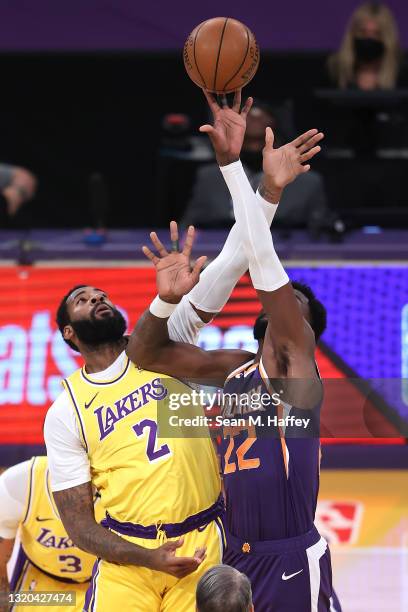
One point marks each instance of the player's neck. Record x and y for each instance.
(258, 355)
(98, 358)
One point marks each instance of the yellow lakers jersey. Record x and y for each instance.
(43, 537)
(141, 477)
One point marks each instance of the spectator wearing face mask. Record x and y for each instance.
(369, 57)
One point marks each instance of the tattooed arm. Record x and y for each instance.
(6, 548)
(75, 506)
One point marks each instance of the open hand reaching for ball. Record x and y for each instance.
(175, 276)
(282, 165)
(228, 131)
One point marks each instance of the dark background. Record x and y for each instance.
(86, 84)
(65, 116)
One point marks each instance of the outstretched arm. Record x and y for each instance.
(219, 278)
(150, 346)
(281, 166)
(289, 339)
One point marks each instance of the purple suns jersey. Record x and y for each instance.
(271, 471)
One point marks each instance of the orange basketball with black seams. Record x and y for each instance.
(221, 55)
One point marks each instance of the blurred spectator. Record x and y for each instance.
(365, 120)
(210, 206)
(17, 186)
(369, 57)
(224, 589)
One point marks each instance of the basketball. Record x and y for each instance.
(221, 55)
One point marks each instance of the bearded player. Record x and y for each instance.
(271, 480)
(94, 435)
(102, 432)
(46, 560)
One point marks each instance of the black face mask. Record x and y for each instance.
(252, 159)
(104, 330)
(368, 49)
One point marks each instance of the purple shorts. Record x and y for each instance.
(292, 575)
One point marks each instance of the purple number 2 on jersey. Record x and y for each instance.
(151, 452)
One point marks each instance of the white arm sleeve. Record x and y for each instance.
(266, 270)
(184, 324)
(221, 275)
(67, 458)
(13, 491)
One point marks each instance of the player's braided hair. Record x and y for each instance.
(318, 314)
(62, 318)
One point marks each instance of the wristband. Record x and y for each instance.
(160, 308)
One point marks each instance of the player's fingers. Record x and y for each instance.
(174, 236)
(189, 241)
(309, 154)
(212, 102)
(305, 168)
(247, 107)
(311, 142)
(179, 542)
(199, 264)
(304, 137)
(182, 572)
(150, 255)
(269, 138)
(171, 546)
(185, 563)
(158, 244)
(206, 129)
(236, 105)
(200, 553)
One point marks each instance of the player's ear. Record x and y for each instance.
(68, 332)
